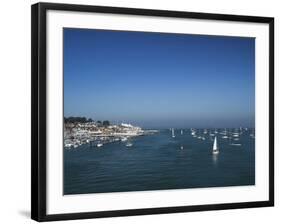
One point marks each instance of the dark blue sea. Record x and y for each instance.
(158, 161)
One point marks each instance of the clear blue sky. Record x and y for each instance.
(159, 80)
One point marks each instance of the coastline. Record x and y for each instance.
(77, 134)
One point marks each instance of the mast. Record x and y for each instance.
(173, 133)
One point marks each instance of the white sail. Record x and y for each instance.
(215, 146)
(173, 133)
(181, 132)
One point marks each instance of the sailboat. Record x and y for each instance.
(123, 139)
(215, 146)
(234, 144)
(252, 135)
(99, 145)
(173, 133)
(181, 132)
(129, 144)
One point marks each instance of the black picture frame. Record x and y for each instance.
(39, 122)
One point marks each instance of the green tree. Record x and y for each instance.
(106, 123)
(99, 123)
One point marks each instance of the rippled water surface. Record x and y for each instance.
(158, 161)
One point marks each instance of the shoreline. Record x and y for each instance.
(77, 134)
(84, 134)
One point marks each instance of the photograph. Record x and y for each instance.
(147, 111)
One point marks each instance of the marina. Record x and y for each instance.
(77, 134)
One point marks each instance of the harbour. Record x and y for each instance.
(162, 159)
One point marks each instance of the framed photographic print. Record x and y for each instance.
(138, 111)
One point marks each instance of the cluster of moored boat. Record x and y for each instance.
(99, 142)
(123, 139)
(76, 135)
(233, 135)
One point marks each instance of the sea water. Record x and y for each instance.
(158, 161)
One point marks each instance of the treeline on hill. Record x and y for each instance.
(84, 120)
